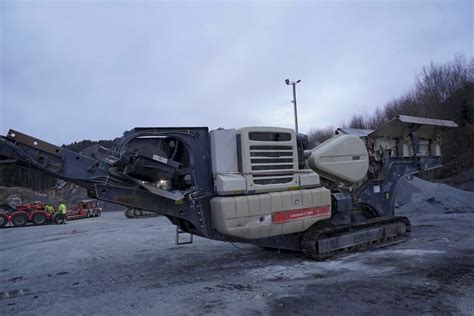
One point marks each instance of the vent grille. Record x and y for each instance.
(272, 164)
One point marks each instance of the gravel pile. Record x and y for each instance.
(418, 196)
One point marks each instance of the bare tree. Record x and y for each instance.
(438, 82)
(443, 91)
(320, 135)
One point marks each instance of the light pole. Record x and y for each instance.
(293, 83)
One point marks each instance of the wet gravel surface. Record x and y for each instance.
(114, 265)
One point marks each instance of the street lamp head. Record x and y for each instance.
(287, 81)
(298, 81)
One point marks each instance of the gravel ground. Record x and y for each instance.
(114, 265)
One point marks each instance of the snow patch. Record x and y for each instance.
(307, 269)
(412, 252)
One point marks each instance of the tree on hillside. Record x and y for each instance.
(319, 135)
(83, 144)
(441, 91)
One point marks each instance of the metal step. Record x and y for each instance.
(180, 232)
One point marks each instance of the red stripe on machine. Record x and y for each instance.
(286, 216)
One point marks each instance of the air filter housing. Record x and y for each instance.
(342, 158)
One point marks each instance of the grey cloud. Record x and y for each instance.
(74, 70)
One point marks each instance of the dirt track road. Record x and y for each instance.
(113, 265)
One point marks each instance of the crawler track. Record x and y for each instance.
(137, 213)
(324, 243)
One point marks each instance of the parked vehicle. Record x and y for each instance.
(23, 214)
(36, 214)
(86, 208)
(257, 185)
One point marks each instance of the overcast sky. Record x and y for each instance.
(73, 70)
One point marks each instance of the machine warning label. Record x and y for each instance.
(286, 216)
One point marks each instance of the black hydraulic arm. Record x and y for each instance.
(110, 179)
(56, 161)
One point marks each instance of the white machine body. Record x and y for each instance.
(262, 192)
